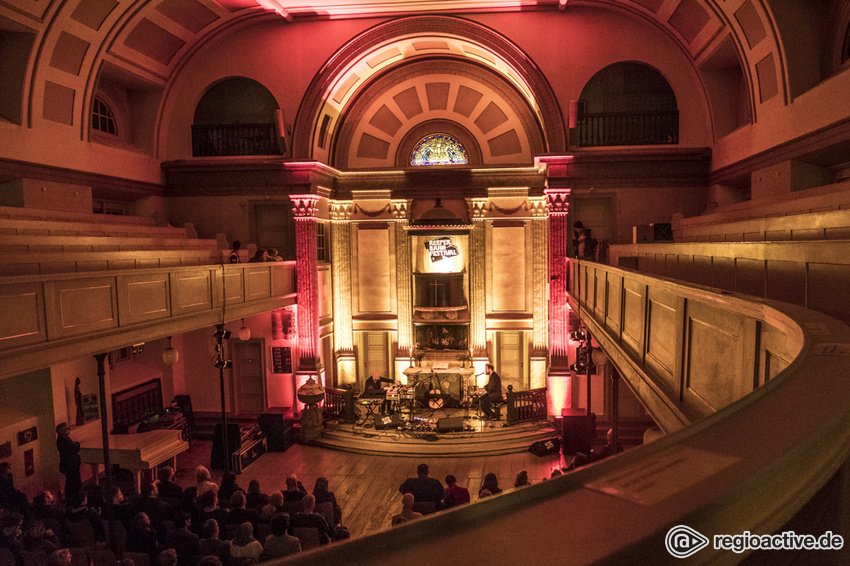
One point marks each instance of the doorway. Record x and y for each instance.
(511, 360)
(249, 391)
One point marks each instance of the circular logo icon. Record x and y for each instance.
(682, 541)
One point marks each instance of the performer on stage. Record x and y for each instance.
(373, 388)
(492, 393)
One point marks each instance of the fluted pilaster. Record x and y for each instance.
(557, 201)
(404, 276)
(304, 209)
(477, 265)
(341, 254)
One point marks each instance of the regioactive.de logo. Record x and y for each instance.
(682, 541)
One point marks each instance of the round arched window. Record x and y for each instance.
(438, 149)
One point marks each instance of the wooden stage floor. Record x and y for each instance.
(366, 485)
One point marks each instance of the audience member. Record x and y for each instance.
(272, 255)
(211, 561)
(522, 479)
(209, 509)
(142, 537)
(60, 557)
(324, 495)
(423, 488)
(211, 545)
(189, 503)
(11, 499)
(182, 540)
(279, 543)
(274, 506)
(168, 488)
(255, 498)
(238, 513)
(606, 450)
(407, 512)
(294, 490)
(10, 533)
(79, 510)
(454, 494)
(203, 481)
(227, 488)
(69, 460)
(490, 485)
(157, 511)
(167, 557)
(310, 519)
(244, 545)
(38, 539)
(258, 257)
(45, 509)
(234, 253)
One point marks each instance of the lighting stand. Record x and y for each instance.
(221, 363)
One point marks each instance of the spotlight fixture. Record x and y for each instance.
(137, 348)
(223, 364)
(221, 333)
(579, 335)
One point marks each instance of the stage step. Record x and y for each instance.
(491, 439)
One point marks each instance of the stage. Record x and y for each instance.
(444, 432)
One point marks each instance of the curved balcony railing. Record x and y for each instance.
(755, 394)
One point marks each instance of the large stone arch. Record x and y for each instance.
(344, 87)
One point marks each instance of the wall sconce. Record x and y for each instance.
(244, 332)
(137, 348)
(170, 355)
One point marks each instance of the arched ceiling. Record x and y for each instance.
(145, 42)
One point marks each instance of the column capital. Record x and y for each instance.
(400, 209)
(538, 206)
(477, 208)
(558, 200)
(304, 206)
(341, 210)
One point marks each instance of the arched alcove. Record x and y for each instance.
(628, 103)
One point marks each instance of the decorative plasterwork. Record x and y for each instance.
(400, 209)
(557, 201)
(304, 206)
(341, 210)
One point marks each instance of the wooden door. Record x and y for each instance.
(249, 388)
(511, 362)
(375, 355)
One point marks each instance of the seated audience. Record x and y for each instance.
(258, 257)
(158, 511)
(407, 512)
(274, 506)
(454, 494)
(490, 485)
(60, 557)
(167, 557)
(272, 255)
(522, 479)
(227, 488)
(255, 498)
(423, 487)
(142, 537)
(182, 540)
(244, 545)
(45, 509)
(209, 509)
(38, 539)
(203, 481)
(10, 532)
(211, 545)
(211, 561)
(310, 519)
(279, 543)
(294, 490)
(11, 499)
(324, 495)
(79, 510)
(239, 513)
(168, 489)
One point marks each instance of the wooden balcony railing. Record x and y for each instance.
(234, 139)
(339, 404)
(523, 406)
(626, 128)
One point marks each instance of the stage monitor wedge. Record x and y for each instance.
(383, 422)
(450, 424)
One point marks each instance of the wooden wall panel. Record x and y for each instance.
(508, 267)
(143, 297)
(22, 321)
(373, 271)
(81, 306)
(633, 315)
(614, 298)
(749, 276)
(724, 273)
(258, 283)
(283, 282)
(786, 281)
(828, 290)
(716, 369)
(191, 291)
(663, 322)
(234, 286)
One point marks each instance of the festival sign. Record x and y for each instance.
(440, 248)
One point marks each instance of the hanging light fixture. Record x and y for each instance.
(170, 355)
(244, 332)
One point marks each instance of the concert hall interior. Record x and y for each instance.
(635, 210)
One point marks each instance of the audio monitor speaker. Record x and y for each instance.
(449, 424)
(545, 447)
(280, 432)
(576, 431)
(383, 422)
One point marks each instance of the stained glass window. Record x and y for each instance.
(438, 149)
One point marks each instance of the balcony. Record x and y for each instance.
(627, 128)
(234, 139)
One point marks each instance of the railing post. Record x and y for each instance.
(511, 396)
(348, 400)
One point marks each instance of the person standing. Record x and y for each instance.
(234, 253)
(492, 393)
(69, 460)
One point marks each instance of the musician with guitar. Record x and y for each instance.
(492, 393)
(373, 389)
